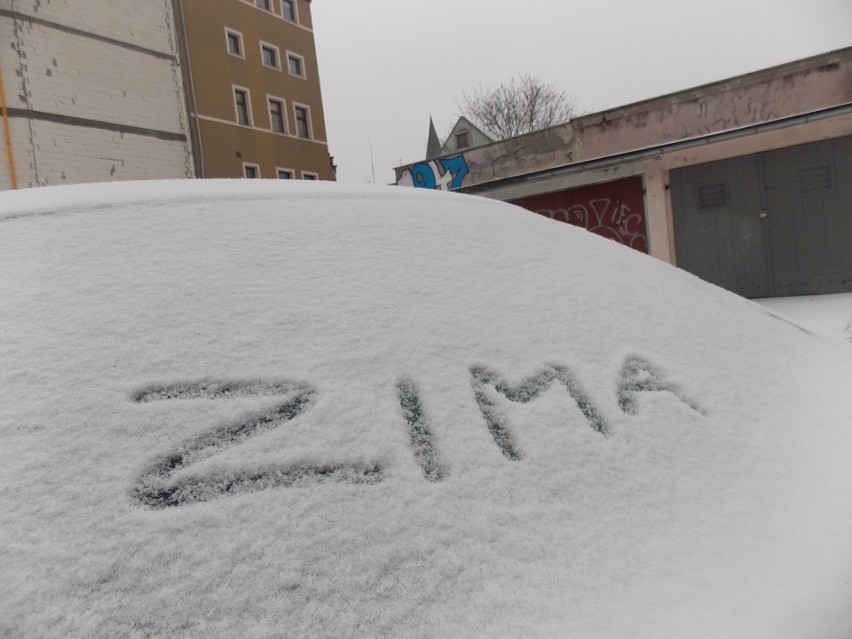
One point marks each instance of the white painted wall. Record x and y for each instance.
(66, 73)
(59, 154)
(146, 23)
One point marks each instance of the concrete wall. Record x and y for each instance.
(507, 158)
(94, 91)
(792, 89)
(799, 87)
(60, 154)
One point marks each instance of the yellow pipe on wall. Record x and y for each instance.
(9, 154)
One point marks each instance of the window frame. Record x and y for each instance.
(308, 123)
(295, 5)
(280, 169)
(301, 61)
(310, 175)
(271, 8)
(270, 99)
(250, 120)
(255, 167)
(275, 50)
(468, 138)
(239, 36)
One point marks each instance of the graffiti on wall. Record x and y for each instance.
(445, 174)
(614, 210)
(610, 218)
(723, 111)
(532, 152)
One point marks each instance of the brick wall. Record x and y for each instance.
(85, 107)
(61, 154)
(145, 23)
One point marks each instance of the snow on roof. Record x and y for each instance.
(250, 408)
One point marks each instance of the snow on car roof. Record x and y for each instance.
(245, 408)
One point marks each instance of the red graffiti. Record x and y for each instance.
(614, 210)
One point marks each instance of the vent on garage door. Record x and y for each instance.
(814, 179)
(712, 196)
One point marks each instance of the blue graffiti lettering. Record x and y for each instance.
(457, 167)
(423, 176)
(447, 176)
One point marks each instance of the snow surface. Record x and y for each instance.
(825, 314)
(285, 409)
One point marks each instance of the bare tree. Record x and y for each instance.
(520, 106)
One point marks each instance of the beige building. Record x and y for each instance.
(253, 90)
(92, 92)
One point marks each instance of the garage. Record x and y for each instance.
(768, 224)
(613, 209)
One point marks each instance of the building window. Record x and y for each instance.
(462, 140)
(269, 56)
(296, 65)
(309, 176)
(276, 116)
(251, 170)
(285, 174)
(266, 5)
(303, 122)
(288, 9)
(234, 42)
(241, 104)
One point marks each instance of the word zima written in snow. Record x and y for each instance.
(157, 487)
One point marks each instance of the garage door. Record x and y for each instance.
(615, 209)
(775, 223)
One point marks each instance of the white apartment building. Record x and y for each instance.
(93, 92)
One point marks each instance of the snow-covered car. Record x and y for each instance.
(269, 409)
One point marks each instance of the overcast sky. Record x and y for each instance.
(387, 65)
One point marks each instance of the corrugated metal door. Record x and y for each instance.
(809, 204)
(775, 223)
(720, 233)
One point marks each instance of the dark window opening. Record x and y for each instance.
(288, 9)
(235, 44)
(241, 99)
(462, 139)
(270, 56)
(276, 115)
(302, 128)
(295, 64)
